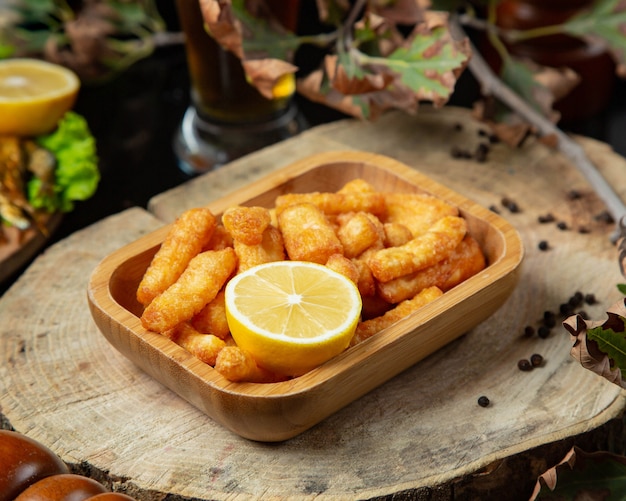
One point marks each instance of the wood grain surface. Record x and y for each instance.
(421, 435)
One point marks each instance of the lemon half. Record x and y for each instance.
(34, 95)
(292, 316)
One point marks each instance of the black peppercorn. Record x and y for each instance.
(536, 360)
(529, 331)
(483, 401)
(549, 319)
(561, 225)
(524, 365)
(590, 299)
(543, 245)
(543, 331)
(547, 218)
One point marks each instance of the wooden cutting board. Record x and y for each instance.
(422, 435)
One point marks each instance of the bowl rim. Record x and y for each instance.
(101, 299)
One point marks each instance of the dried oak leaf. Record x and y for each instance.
(86, 45)
(405, 12)
(591, 352)
(582, 475)
(249, 31)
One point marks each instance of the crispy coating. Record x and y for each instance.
(464, 261)
(335, 203)
(246, 224)
(368, 328)
(202, 346)
(421, 252)
(185, 239)
(212, 318)
(343, 266)
(366, 282)
(417, 211)
(396, 234)
(357, 185)
(238, 365)
(197, 286)
(219, 240)
(358, 231)
(307, 234)
(271, 248)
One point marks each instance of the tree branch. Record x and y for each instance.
(492, 85)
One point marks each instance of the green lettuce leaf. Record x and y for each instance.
(76, 175)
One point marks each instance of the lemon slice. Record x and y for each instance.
(34, 95)
(292, 316)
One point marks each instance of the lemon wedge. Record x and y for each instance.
(34, 95)
(292, 316)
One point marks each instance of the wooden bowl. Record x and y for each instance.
(279, 411)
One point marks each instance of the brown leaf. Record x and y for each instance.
(223, 25)
(405, 12)
(554, 84)
(310, 87)
(265, 73)
(371, 82)
(576, 460)
(586, 351)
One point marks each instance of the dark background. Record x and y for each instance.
(135, 116)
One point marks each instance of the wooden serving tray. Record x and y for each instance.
(279, 411)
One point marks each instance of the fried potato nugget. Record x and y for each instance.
(368, 328)
(212, 318)
(307, 234)
(271, 248)
(421, 252)
(336, 203)
(344, 266)
(417, 211)
(197, 286)
(466, 260)
(186, 238)
(396, 234)
(219, 240)
(246, 224)
(203, 346)
(358, 232)
(357, 185)
(237, 365)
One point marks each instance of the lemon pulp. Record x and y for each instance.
(34, 95)
(292, 316)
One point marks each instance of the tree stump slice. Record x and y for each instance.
(422, 435)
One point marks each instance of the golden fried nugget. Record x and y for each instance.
(307, 234)
(464, 261)
(335, 203)
(366, 282)
(417, 211)
(202, 346)
(246, 224)
(212, 318)
(423, 251)
(357, 186)
(219, 240)
(358, 231)
(343, 266)
(270, 249)
(197, 286)
(237, 365)
(186, 238)
(368, 328)
(396, 234)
